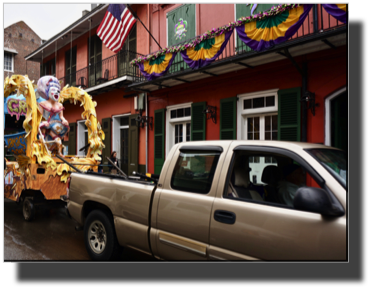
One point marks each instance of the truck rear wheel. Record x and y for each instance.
(28, 209)
(100, 237)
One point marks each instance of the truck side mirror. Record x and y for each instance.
(316, 200)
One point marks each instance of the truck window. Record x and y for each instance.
(194, 171)
(267, 178)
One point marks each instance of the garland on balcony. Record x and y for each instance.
(338, 11)
(261, 35)
(274, 11)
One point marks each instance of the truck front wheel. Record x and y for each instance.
(100, 237)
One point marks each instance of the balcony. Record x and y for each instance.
(104, 73)
(319, 31)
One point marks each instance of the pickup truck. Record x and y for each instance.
(221, 200)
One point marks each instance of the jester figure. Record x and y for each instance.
(54, 126)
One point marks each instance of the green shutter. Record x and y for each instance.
(106, 127)
(159, 140)
(73, 139)
(289, 114)
(133, 145)
(187, 13)
(228, 118)
(198, 121)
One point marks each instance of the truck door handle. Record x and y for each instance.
(226, 217)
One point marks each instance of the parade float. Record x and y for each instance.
(39, 173)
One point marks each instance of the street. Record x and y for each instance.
(50, 236)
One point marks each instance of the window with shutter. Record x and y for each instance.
(159, 140)
(228, 118)
(257, 115)
(95, 62)
(178, 124)
(289, 114)
(71, 63)
(198, 121)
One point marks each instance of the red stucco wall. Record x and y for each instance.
(327, 73)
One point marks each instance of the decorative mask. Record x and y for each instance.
(49, 88)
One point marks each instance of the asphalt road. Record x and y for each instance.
(50, 236)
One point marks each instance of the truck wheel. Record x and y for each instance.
(28, 209)
(100, 237)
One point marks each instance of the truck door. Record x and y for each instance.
(185, 203)
(253, 216)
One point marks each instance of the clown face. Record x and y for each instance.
(54, 93)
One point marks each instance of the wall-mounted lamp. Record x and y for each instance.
(210, 112)
(145, 120)
(309, 99)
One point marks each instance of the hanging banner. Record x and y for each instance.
(338, 11)
(156, 67)
(205, 52)
(263, 34)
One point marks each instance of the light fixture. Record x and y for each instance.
(144, 120)
(309, 99)
(210, 112)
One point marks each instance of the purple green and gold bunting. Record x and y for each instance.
(156, 67)
(205, 52)
(338, 11)
(263, 34)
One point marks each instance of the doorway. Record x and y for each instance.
(337, 120)
(124, 149)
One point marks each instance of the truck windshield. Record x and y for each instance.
(334, 161)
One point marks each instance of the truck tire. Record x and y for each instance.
(28, 209)
(100, 237)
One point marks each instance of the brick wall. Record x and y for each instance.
(20, 37)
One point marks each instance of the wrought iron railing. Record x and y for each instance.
(118, 65)
(103, 71)
(316, 22)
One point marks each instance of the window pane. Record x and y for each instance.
(269, 101)
(250, 124)
(267, 123)
(247, 103)
(257, 136)
(187, 111)
(250, 136)
(194, 171)
(180, 113)
(7, 61)
(274, 123)
(188, 132)
(267, 136)
(258, 103)
(124, 121)
(173, 114)
(257, 124)
(180, 133)
(274, 135)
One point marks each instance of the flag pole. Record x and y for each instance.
(135, 15)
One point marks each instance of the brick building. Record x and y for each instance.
(19, 41)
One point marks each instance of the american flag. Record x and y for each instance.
(115, 27)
